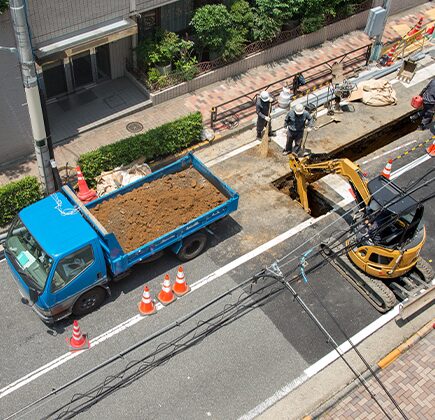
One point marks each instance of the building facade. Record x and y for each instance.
(79, 44)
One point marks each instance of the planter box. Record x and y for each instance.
(352, 23)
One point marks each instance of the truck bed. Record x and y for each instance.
(157, 207)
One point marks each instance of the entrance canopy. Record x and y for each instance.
(84, 41)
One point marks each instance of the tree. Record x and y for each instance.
(242, 17)
(212, 24)
(4, 5)
(271, 14)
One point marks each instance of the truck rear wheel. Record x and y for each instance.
(89, 301)
(192, 246)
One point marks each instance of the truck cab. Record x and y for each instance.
(64, 270)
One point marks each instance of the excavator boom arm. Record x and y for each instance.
(306, 172)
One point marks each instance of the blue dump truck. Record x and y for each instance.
(63, 259)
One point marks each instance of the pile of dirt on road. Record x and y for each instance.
(157, 208)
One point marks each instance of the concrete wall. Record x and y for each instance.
(52, 19)
(398, 6)
(119, 52)
(15, 132)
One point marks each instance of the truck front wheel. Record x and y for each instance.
(192, 246)
(89, 301)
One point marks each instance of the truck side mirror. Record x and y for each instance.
(33, 294)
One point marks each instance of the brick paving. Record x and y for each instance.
(411, 381)
(209, 96)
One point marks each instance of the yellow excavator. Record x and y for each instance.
(383, 251)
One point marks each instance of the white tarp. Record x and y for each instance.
(118, 177)
(375, 93)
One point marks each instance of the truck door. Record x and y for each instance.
(73, 275)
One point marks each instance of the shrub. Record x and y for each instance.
(17, 195)
(271, 14)
(242, 17)
(212, 24)
(312, 24)
(158, 142)
(186, 67)
(4, 4)
(235, 45)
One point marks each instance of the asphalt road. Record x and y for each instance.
(249, 344)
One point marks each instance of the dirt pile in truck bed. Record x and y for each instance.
(157, 208)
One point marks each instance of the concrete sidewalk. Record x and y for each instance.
(410, 379)
(335, 393)
(205, 98)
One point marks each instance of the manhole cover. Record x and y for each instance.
(134, 127)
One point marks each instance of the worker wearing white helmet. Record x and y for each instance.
(295, 121)
(263, 108)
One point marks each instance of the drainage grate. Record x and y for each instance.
(134, 127)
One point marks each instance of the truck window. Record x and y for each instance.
(71, 266)
(27, 256)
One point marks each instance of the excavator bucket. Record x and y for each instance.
(407, 71)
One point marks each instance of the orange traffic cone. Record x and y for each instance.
(390, 55)
(429, 30)
(431, 149)
(416, 28)
(146, 305)
(180, 286)
(166, 296)
(85, 194)
(78, 341)
(386, 173)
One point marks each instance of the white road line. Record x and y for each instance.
(388, 152)
(410, 166)
(19, 383)
(322, 363)
(233, 153)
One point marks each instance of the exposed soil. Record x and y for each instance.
(157, 208)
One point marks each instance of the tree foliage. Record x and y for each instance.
(212, 24)
(271, 14)
(4, 4)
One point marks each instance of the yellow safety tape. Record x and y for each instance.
(413, 149)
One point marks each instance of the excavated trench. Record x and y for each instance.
(359, 148)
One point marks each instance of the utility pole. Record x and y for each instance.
(377, 45)
(31, 88)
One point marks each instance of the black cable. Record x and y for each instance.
(373, 373)
(334, 345)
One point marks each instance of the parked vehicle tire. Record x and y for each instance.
(193, 245)
(89, 301)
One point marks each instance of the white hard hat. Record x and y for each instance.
(265, 96)
(299, 109)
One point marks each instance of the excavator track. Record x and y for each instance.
(375, 291)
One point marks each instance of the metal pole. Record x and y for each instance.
(31, 89)
(377, 45)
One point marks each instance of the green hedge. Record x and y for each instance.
(17, 195)
(162, 141)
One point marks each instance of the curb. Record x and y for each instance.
(381, 364)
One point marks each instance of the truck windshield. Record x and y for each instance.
(28, 258)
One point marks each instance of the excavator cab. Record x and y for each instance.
(395, 234)
(398, 216)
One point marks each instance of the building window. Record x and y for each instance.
(54, 79)
(147, 22)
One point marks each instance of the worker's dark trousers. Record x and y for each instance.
(261, 123)
(296, 137)
(427, 114)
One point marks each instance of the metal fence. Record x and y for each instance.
(315, 77)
